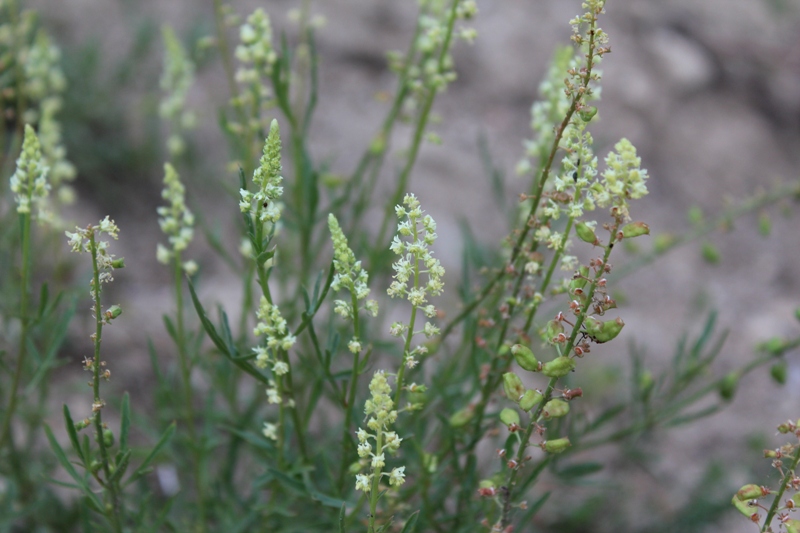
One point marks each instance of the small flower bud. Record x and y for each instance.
(586, 233)
(108, 437)
(555, 408)
(530, 399)
(513, 387)
(558, 367)
(778, 372)
(635, 229)
(727, 387)
(525, 358)
(556, 445)
(509, 416)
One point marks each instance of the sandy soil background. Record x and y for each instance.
(709, 92)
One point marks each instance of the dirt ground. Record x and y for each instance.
(709, 93)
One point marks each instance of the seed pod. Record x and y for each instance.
(555, 408)
(603, 331)
(525, 358)
(530, 399)
(108, 437)
(751, 491)
(556, 445)
(711, 254)
(744, 507)
(462, 417)
(513, 386)
(727, 387)
(509, 416)
(635, 229)
(778, 372)
(586, 233)
(558, 367)
(113, 312)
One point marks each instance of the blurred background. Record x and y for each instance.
(708, 92)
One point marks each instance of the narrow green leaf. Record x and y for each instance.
(121, 467)
(579, 470)
(207, 325)
(44, 295)
(342, 515)
(73, 434)
(62, 459)
(152, 455)
(125, 422)
(170, 327)
(411, 523)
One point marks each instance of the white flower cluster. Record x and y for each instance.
(380, 413)
(262, 204)
(84, 239)
(349, 276)
(176, 80)
(29, 181)
(272, 325)
(255, 50)
(176, 221)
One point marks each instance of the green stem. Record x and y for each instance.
(114, 511)
(25, 273)
(376, 478)
(350, 399)
(186, 371)
(419, 132)
(790, 473)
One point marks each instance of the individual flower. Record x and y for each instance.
(270, 431)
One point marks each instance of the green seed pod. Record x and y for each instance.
(95, 466)
(775, 346)
(778, 372)
(118, 263)
(513, 386)
(554, 327)
(727, 387)
(558, 367)
(744, 507)
(113, 312)
(603, 331)
(792, 526)
(751, 491)
(509, 416)
(525, 358)
(593, 326)
(108, 437)
(711, 254)
(556, 445)
(462, 417)
(586, 233)
(635, 229)
(555, 408)
(587, 113)
(530, 399)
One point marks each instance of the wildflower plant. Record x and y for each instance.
(267, 416)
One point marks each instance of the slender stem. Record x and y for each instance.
(419, 131)
(114, 511)
(350, 399)
(790, 473)
(186, 371)
(24, 319)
